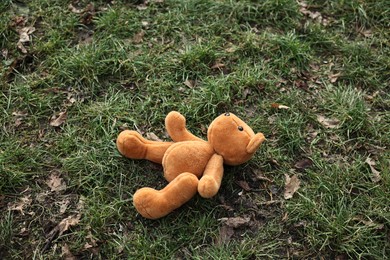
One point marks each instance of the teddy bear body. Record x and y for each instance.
(190, 164)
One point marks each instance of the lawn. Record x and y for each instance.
(313, 76)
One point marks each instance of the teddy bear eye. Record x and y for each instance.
(240, 128)
(227, 114)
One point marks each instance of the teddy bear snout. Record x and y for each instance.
(255, 143)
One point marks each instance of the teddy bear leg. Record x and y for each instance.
(154, 204)
(132, 145)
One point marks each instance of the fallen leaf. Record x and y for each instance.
(376, 177)
(58, 120)
(369, 222)
(291, 186)
(66, 254)
(316, 16)
(279, 106)
(142, 7)
(21, 205)
(218, 65)
(18, 21)
(334, 77)
(366, 33)
(244, 185)
(65, 224)
(56, 183)
(327, 122)
(139, 37)
(190, 83)
(259, 176)
(303, 164)
(225, 234)
(74, 9)
(63, 205)
(236, 222)
(153, 137)
(81, 203)
(24, 37)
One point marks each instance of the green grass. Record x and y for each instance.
(98, 68)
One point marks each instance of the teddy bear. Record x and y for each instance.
(191, 165)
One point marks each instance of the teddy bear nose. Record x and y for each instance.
(227, 114)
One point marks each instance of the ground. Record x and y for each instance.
(313, 76)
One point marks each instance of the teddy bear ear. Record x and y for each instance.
(255, 142)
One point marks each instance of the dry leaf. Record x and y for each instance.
(56, 183)
(366, 33)
(139, 37)
(369, 222)
(333, 77)
(225, 234)
(58, 230)
(66, 223)
(244, 185)
(63, 205)
(376, 177)
(24, 37)
(327, 122)
(303, 164)
(66, 254)
(291, 186)
(218, 65)
(74, 9)
(279, 106)
(58, 120)
(190, 83)
(142, 7)
(236, 222)
(153, 137)
(19, 206)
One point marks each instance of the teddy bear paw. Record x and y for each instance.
(208, 187)
(131, 145)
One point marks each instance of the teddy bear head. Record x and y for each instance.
(233, 139)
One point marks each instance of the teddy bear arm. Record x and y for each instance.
(132, 145)
(211, 180)
(175, 123)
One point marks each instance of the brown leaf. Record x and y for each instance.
(376, 177)
(151, 136)
(244, 185)
(259, 176)
(369, 222)
(225, 234)
(66, 254)
(303, 164)
(56, 183)
(63, 205)
(279, 106)
(190, 83)
(236, 222)
(366, 33)
(139, 37)
(24, 37)
(66, 223)
(74, 9)
(21, 205)
(18, 21)
(334, 77)
(218, 65)
(328, 123)
(291, 186)
(58, 120)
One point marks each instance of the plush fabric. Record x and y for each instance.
(191, 164)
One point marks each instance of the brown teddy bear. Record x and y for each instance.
(190, 164)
